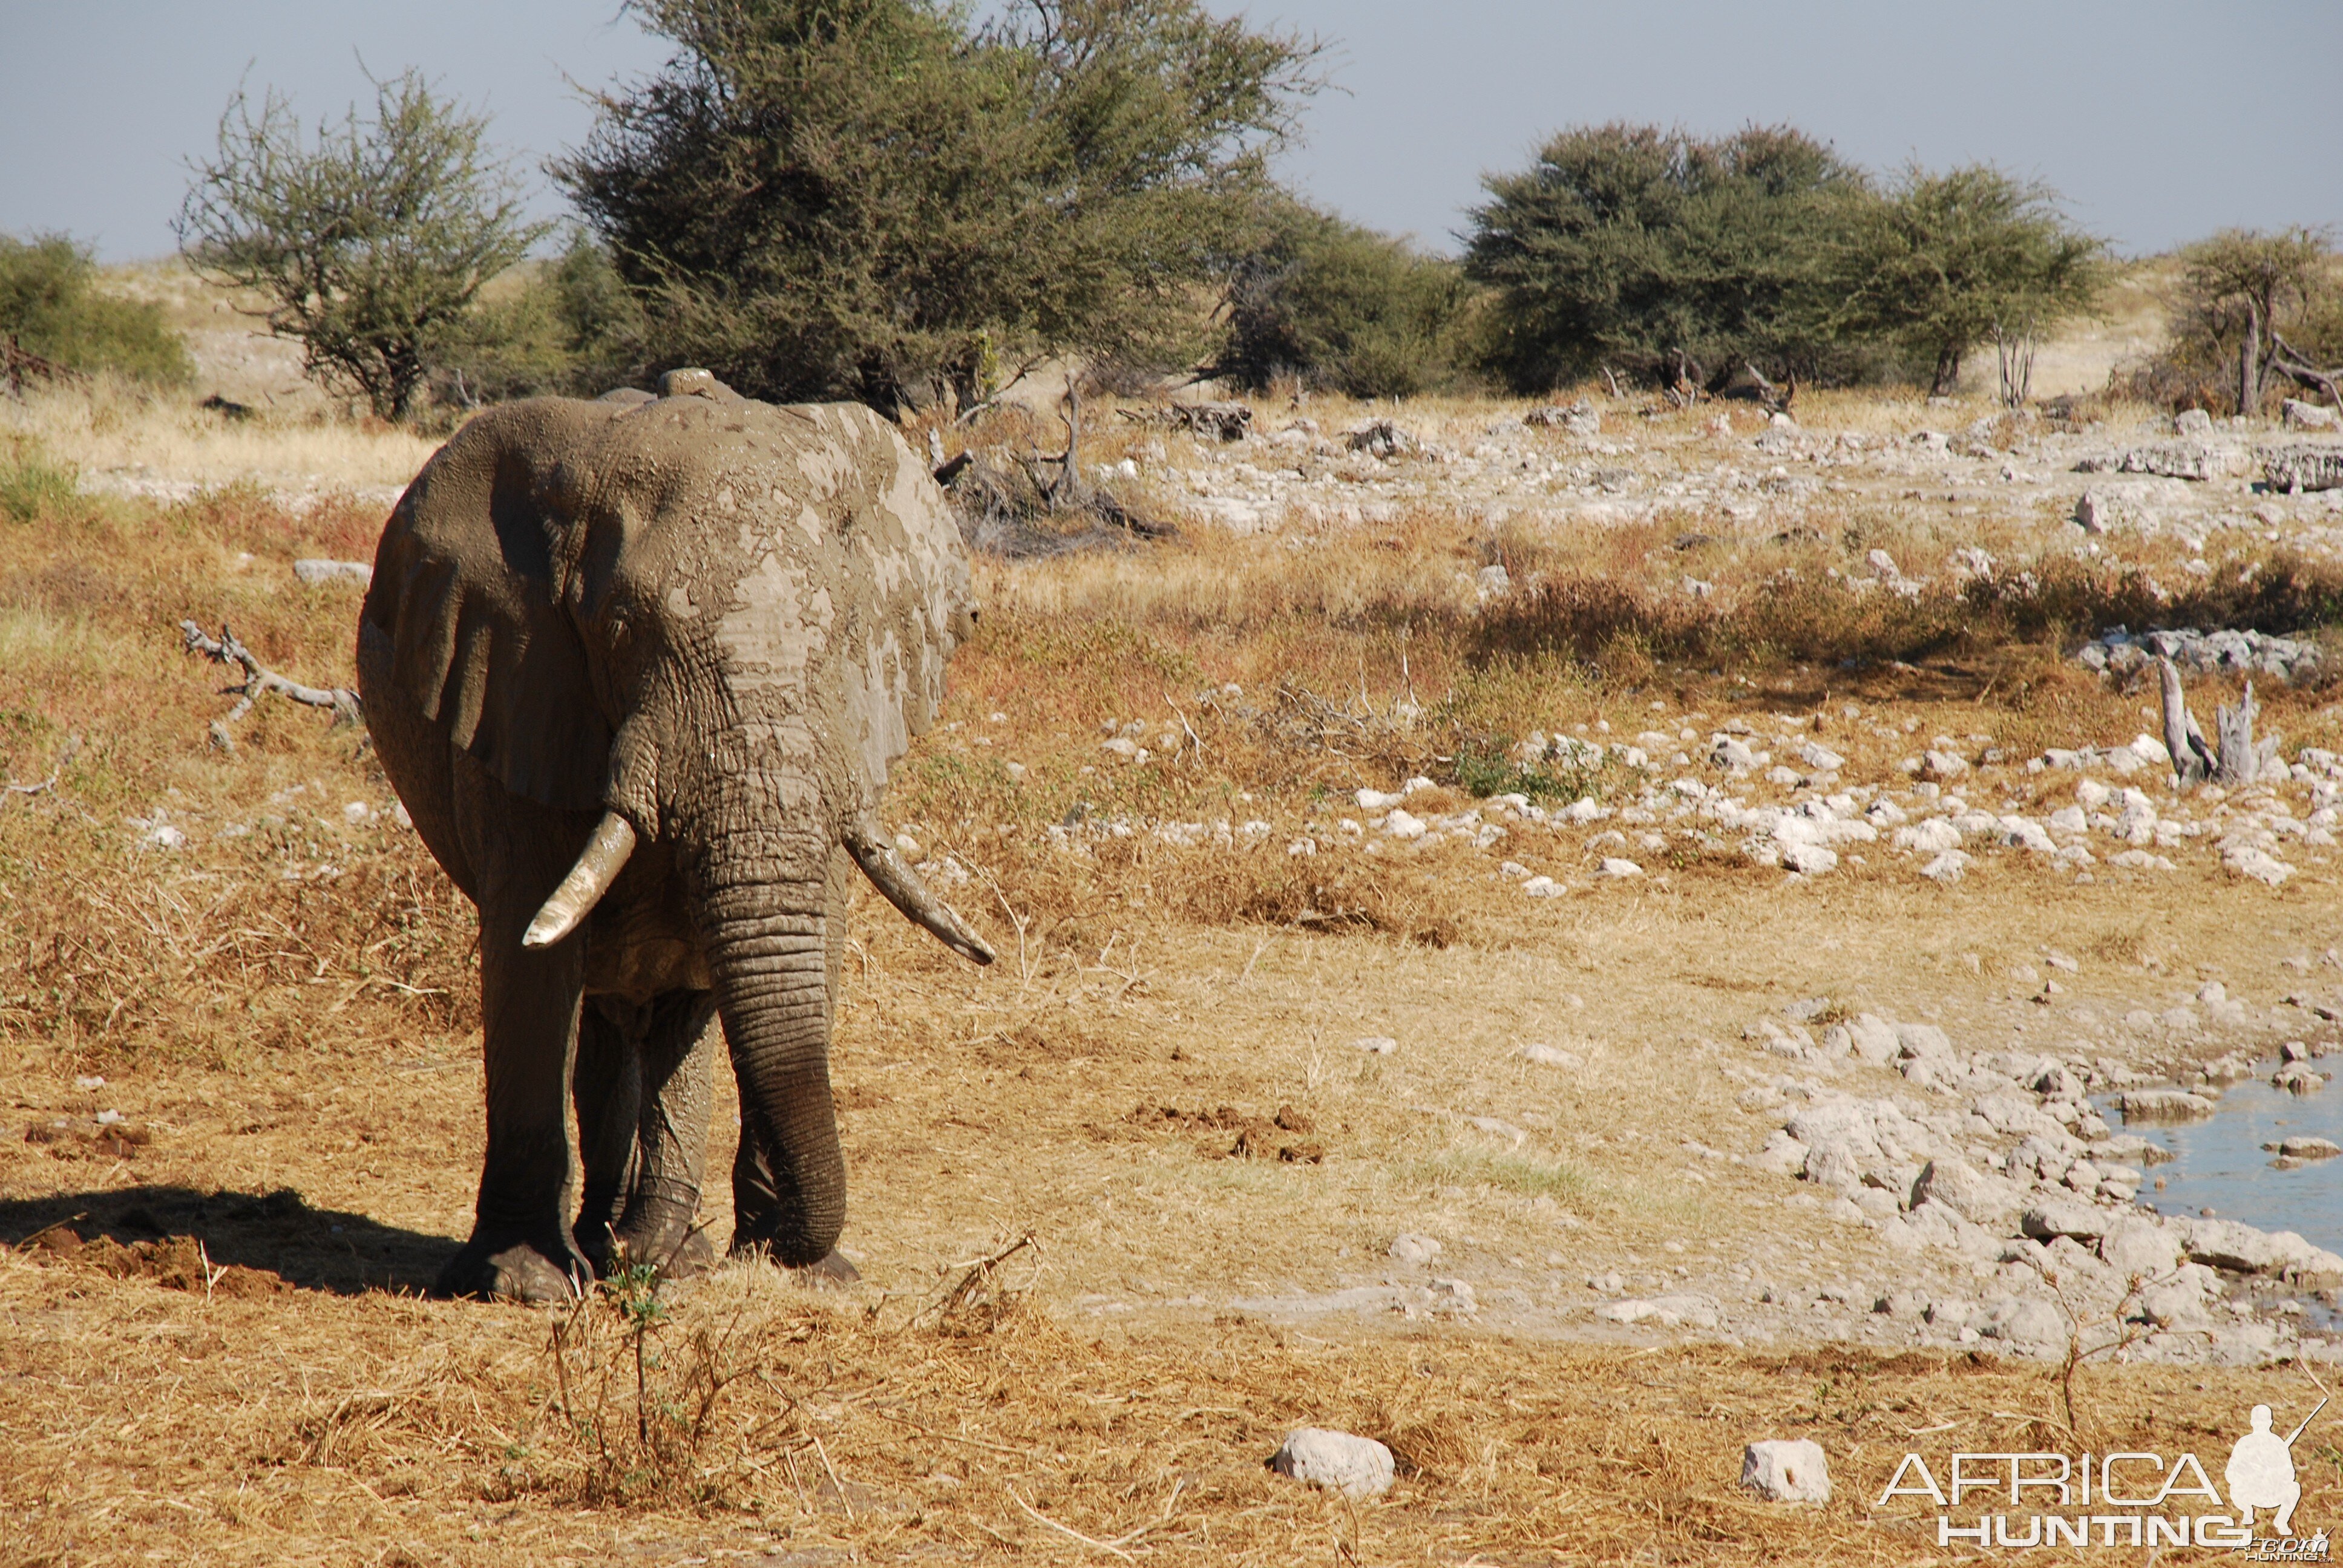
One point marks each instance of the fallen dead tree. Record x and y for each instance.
(259, 679)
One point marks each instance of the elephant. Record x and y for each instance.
(639, 669)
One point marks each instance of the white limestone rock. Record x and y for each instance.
(1342, 1462)
(1786, 1471)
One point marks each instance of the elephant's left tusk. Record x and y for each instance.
(908, 893)
(605, 854)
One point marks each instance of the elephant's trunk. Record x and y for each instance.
(762, 897)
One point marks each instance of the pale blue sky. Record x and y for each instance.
(2160, 121)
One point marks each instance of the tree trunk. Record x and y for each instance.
(1948, 372)
(2250, 377)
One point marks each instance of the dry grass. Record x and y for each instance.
(383, 1428)
(136, 443)
(291, 1007)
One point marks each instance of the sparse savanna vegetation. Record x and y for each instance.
(1250, 774)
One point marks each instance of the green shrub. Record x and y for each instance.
(1947, 262)
(2247, 301)
(1661, 256)
(369, 241)
(31, 486)
(1652, 253)
(49, 304)
(569, 327)
(1342, 308)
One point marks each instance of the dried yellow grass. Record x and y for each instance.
(122, 437)
(316, 1032)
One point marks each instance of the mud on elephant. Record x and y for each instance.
(639, 669)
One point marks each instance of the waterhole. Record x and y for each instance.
(2220, 1165)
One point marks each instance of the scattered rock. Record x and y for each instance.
(1936, 766)
(1667, 1311)
(2138, 1248)
(320, 573)
(2297, 468)
(2241, 1248)
(2163, 1105)
(2186, 460)
(2298, 1078)
(1577, 418)
(1338, 1461)
(1375, 1044)
(1786, 1471)
(2296, 414)
(1414, 1247)
(1551, 1056)
(2196, 651)
(1453, 1298)
(2245, 860)
(1871, 1037)
(1613, 867)
(1974, 1195)
(1808, 859)
(2305, 1149)
(2029, 1325)
(2058, 1216)
(1380, 438)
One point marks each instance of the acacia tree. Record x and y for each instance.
(1339, 305)
(2242, 289)
(1653, 251)
(1949, 261)
(881, 199)
(367, 241)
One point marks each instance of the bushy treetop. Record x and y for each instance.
(1627, 245)
(886, 199)
(365, 242)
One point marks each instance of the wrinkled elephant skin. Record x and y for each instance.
(639, 670)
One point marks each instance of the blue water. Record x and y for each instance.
(2219, 1163)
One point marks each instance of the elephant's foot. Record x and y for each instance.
(658, 1232)
(834, 1272)
(513, 1272)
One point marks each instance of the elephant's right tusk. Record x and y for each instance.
(597, 867)
(904, 889)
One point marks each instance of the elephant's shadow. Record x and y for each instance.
(311, 1248)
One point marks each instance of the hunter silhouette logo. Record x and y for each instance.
(2124, 1498)
(2261, 1471)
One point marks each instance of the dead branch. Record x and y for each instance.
(2298, 365)
(2235, 757)
(66, 753)
(981, 1276)
(260, 679)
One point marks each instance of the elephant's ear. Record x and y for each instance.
(464, 622)
(904, 545)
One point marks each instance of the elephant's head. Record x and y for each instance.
(720, 623)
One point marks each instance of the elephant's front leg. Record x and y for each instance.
(521, 1246)
(607, 1089)
(678, 1055)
